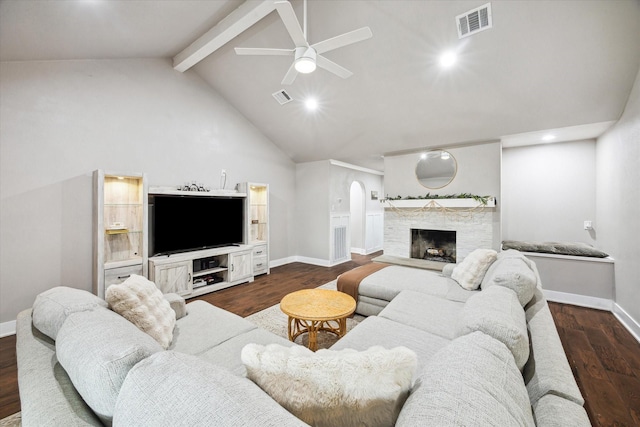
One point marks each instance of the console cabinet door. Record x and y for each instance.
(174, 277)
(240, 266)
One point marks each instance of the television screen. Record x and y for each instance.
(188, 223)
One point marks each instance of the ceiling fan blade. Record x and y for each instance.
(288, 16)
(263, 51)
(331, 66)
(290, 76)
(343, 40)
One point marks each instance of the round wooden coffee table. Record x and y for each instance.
(313, 310)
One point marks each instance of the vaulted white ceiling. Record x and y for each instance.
(544, 65)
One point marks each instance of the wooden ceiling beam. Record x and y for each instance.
(231, 26)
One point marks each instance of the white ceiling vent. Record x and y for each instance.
(474, 21)
(282, 97)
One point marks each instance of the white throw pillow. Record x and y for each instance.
(470, 272)
(139, 301)
(334, 388)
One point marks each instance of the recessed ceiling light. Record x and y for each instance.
(311, 104)
(548, 137)
(447, 59)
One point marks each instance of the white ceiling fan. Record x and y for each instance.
(307, 56)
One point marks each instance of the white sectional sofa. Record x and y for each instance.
(483, 358)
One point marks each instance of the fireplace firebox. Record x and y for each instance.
(433, 245)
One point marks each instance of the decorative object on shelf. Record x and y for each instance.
(374, 195)
(480, 199)
(193, 187)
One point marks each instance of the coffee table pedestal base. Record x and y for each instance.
(298, 327)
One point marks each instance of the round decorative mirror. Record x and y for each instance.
(436, 169)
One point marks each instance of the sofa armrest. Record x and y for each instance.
(177, 304)
(448, 269)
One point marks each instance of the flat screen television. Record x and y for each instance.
(189, 223)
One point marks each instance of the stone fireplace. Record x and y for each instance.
(472, 230)
(433, 245)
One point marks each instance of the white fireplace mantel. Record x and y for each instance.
(437, 203)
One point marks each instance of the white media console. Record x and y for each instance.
(199, 272)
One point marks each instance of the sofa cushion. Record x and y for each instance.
(497, 312)
(512, 273)
(199, 393)
(426, 312)
(559, 248)
(206, 326)
(555, 411)
(227, 354)
(141, 302)
(97, 349)
(51, 308)
(334, 388)
(470, 272)
(387, 283)
(547, 371)
(471, 382)
(387, 333)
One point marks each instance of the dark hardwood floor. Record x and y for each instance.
(604, 356)
(605, 360)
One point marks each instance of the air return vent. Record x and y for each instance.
(282, 97)
(474, 21)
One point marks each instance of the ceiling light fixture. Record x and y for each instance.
(447, 59)
(445, 155)
(548, 137)
(305, 60)
(311, 104)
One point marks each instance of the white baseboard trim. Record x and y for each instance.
(282, 261)
(599, 303)
(359, 251)
(372, 250)
(627, 321)
(579, 300)
(7, 328)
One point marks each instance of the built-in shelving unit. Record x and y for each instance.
(257, 224)
(119, 227)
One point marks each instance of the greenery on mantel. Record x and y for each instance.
(480, 199)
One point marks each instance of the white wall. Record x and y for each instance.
(322, 190)
(618, 202)
(478, 172)
(341, 179)
(60, 120)
(356, 206)
(548, 191)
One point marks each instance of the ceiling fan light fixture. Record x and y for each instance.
(305, 60)
(305, 65)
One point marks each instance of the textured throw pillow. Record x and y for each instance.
(470, 272)
(139, 301)
(497, 312)
(51, 308)
(513, 273)
(334, 388)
